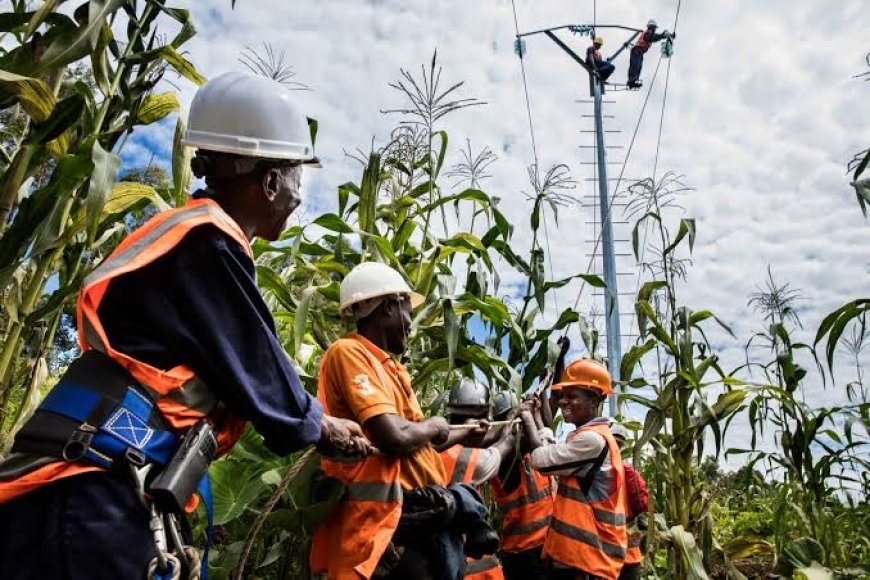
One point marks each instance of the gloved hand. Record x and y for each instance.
(565, 345)
(424, 511)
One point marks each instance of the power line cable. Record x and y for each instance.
(525, 86)
(618, 181)
(534, 145)
(655, 163)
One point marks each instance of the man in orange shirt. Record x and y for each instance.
(360, 381)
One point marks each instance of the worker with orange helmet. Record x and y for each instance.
(587, 536)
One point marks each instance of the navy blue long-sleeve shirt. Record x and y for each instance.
(199, 305)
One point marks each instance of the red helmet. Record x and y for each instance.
(586, 373)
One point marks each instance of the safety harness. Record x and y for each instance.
(99, 414)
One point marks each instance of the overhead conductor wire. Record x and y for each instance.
(534, 143)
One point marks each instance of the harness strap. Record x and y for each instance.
(589, 477)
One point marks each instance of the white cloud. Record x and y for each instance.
(762, 116)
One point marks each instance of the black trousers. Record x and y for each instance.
(631, 571)
(525, 565)
(635, 64)
(89, 526)
(569, 574)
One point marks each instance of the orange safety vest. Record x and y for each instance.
(352, 540)
(182, 398)
(350, 543)
(487, 568)
(588, 532)
(460, 463)
(642, 42)
(633, 555)
(526, 511)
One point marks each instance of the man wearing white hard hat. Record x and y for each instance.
(360, 380)
(179, 352)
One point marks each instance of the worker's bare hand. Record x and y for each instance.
(528, 422)
(361, 446)
(439, 429)
(340, 436)
(480, 430)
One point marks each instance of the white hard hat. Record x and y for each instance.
(373, 280)
(652, 24)
(249, 115)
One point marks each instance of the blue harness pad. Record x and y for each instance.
(125, 427)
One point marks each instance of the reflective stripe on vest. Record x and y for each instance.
(351, 542)
(370, 491)
(529, 527)
(182, 398)
(634, 554)
(526, 511)
(601, 515)
(587, 537)
(585, 534)
(486, 568)
(460, 463)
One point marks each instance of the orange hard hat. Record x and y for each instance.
(586, 373)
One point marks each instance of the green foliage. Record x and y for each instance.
(387, 216)
(72, 89)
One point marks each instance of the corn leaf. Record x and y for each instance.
(156, 107)
(126, 194)
(689, 552)
(35, 97)
(181, 172)
(181, 65)
(72, 44)
(106, 165)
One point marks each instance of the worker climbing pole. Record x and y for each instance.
(599, 70)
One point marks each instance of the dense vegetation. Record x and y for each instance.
(74, 85)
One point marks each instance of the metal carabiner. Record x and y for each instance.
(162, 560)
(140, 474)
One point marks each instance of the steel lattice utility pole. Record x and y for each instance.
(611, 294)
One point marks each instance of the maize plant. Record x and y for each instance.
(73, 87)
(692, 395)
(388, 216)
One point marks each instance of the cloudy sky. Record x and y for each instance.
(763, 113)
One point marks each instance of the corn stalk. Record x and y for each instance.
(680, 412)
(59, 205)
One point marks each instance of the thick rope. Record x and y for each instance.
(487, 424)
(267, 509)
